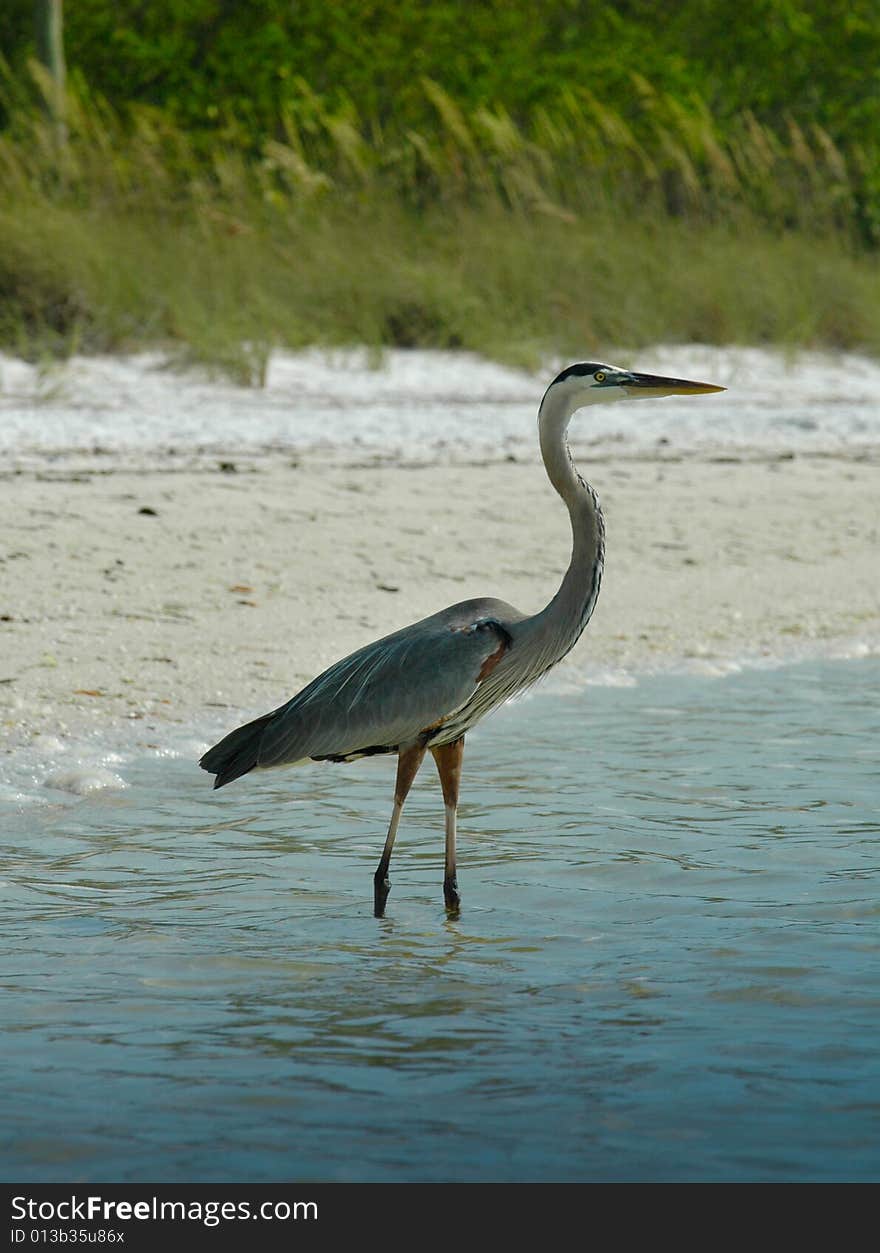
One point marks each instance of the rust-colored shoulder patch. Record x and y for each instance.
(484, 625)
(492, 660)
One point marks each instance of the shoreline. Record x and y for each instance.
(161, 603)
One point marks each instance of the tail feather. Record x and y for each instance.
(237, 753)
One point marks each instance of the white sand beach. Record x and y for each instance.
(169, 597)
(177, 552)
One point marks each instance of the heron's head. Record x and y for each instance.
(591, 381)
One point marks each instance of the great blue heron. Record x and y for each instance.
(425, 686)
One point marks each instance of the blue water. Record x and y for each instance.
(666, 965)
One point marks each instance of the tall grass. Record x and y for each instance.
(583, 231)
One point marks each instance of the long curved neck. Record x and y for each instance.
(560, 624)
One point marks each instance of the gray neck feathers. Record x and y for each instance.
(561, 623)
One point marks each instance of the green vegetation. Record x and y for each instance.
(516, 179)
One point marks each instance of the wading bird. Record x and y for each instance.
(425, 686)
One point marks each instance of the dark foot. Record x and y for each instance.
(453, 900)
(381, 888)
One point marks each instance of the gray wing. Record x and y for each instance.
(389, 692)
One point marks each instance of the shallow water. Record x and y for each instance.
(666, 966)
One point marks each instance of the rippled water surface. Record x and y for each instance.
(667, 965)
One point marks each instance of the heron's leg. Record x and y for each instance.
(448, 758)
(408, 762)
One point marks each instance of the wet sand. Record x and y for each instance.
(168, 596)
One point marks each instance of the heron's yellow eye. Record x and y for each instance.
(599, 376)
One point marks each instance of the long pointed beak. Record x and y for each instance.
(644, 385)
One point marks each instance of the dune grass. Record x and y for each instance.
(572, 239)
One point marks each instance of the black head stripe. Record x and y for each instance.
(582, 370)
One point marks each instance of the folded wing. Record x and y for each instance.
(386, 694)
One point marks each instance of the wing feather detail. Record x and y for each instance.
(387, 693)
